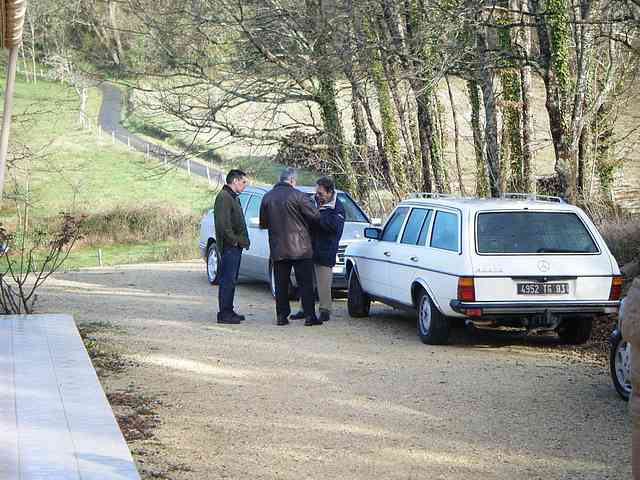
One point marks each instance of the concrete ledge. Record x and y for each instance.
(55, 421)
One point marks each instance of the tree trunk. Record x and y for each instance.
(425, 127)
(456, 133)
(527, 132)
(491, 120)
(112, 7)
(326, 99)
(33, 48)
(481, 184)
(396, 174)
(437, 149)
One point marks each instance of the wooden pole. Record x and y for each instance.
(6, 116)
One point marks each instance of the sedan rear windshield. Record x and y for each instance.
(532, 232)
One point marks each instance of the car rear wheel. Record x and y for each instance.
(213, 263)
(433, 327)
(620, 364)
(575, 331)
(358, 302)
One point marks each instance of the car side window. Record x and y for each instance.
(393, 226)
(415, 225)
(445, 231)
(351, 211)
(253, 209)
(244, 199)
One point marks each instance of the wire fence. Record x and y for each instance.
(100, 257)
(166, 158)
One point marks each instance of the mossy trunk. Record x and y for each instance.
(512, 151)
(340, 155)
(396, 174)
(481, 181)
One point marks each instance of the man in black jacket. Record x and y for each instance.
(231, 237)
(326, 238)
(289, 215)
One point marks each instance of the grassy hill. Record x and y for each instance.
(132, 205)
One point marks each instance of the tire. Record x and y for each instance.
(576, 330)
(213, 262)
(433, 327)
(358, 302)
(620, 365)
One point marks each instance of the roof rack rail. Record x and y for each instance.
(431, 195)
(532, 197)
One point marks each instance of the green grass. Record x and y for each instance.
(108, 255)
(77, 170)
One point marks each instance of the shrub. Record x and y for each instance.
(146, 223)
(29, 255)
(623, 237)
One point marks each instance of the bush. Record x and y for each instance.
(29, 254)
(623, 237)
(146, 223)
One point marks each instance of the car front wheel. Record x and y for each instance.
(433, 327)
(575, 331)
(358, 302)
(213, 263)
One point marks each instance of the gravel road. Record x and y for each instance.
(352, 399)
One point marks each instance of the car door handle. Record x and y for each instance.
(387, 254)
(414, 259)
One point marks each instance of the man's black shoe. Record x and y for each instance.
(310, 321)
(282, 321)
(238, 316)
(228, 319)
(324, 316)
(299, 315)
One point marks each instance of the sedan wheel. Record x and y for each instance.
(433, 327)
(213, 262)
(620, 364)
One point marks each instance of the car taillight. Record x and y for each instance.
(466, 289)
(616, 287)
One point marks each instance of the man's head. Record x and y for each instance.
(325, 189)
(236, 180)
(290, 176)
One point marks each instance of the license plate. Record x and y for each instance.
(543, 289)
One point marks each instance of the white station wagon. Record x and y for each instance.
(517, 261)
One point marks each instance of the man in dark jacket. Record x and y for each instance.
(326, 237)
(289, 215)
(231, 238)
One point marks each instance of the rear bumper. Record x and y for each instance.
(537, 307)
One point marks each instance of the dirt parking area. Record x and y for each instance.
(352, 399)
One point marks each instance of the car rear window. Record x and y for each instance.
(533, 232)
